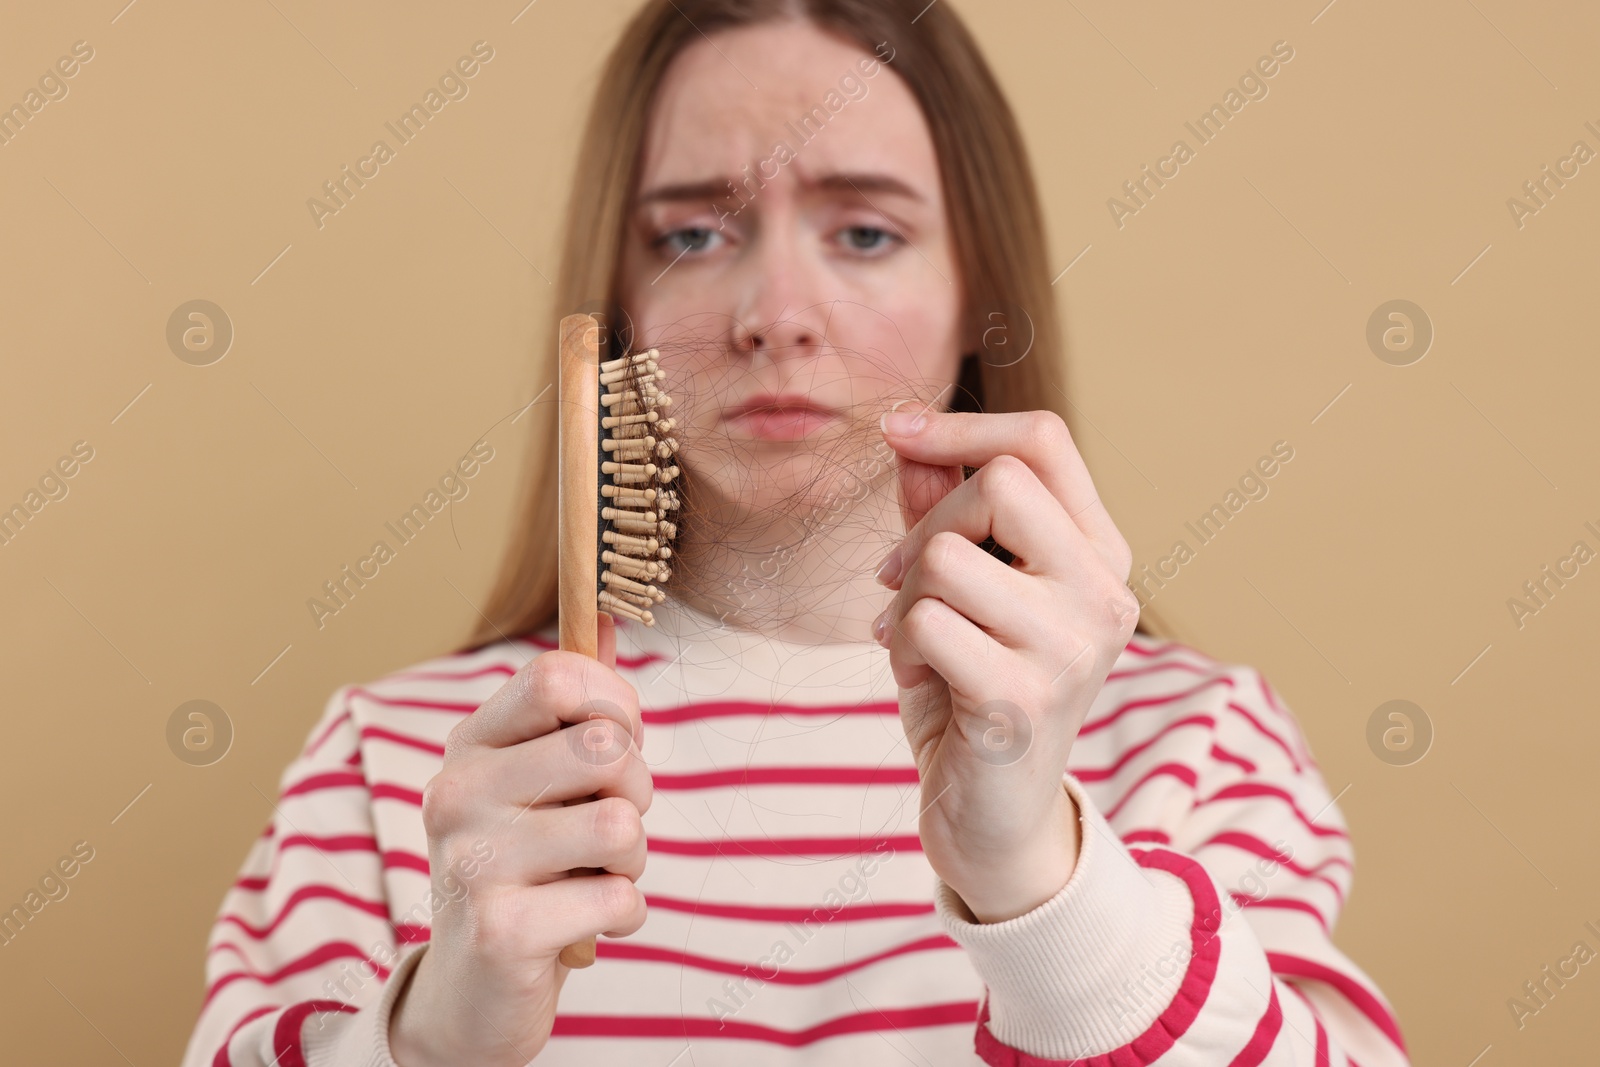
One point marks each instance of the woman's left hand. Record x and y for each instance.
(998, 664)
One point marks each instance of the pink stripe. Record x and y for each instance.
(1255, 846)
(696, 1027)
(1283, 904)
(1294, 761)
(327, 780)
(1222, 755)
(334, 950)
(629, 950)
(1100, 774)
(1096, 725)
(1266, 1035)
(451, 706)
(286, 1035)
(338, 720)
(399, 859)
(222, 1059)
(1260, 789)
(1142, 644)
(333, 843)
(1322, 1046)
(1273, 701)
(390, 791)
(379, 733)
(1291, 966)
(1146, 645)
(718, 709)
(731, 847)
(1210, 667)
(391, 859)
(546, 644)
(1282, 711)
(227, 946)
(549, 644)
(337, 843)
(633, 663)
(503, 669)
(779, 914)
(788, 776)
(1191, 996)
(675, 714)
(300, 895)
(411, 933)
(1182, 773)
(627, 627)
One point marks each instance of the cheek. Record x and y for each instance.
(905, 342)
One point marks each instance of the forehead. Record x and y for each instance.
(731, 99)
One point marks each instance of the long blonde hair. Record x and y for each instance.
(996, 222)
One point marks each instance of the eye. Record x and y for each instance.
(685, 240)
(868, 238)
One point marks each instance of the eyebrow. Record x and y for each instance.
(715, 189)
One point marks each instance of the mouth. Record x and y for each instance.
(789, 417)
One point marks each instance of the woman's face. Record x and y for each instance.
(788, 249)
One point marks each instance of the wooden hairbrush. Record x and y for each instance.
(615, 491)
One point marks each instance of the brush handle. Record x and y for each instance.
(578, 510)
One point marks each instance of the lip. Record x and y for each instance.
(781, 417)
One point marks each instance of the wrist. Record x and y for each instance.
(409, 1032)
(1011, 886)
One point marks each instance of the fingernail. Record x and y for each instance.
(889, 569)
(903, 423)
(880, 626)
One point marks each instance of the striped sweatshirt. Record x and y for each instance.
(793, 918)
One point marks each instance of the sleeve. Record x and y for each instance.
(1209, 942)
(303, 963)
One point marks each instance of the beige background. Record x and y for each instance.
(1228, 314)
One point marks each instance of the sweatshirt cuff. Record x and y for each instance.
(1081, 973)
(360, 1039)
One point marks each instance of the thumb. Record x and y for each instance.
(921, 486)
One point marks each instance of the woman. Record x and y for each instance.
(949, 809)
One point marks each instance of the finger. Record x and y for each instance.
(552, 689)
(594, 758)
(992, 595)
(933, 638)
(1038, 438)
(922, 485)
(583, 906)
(542, 844)
(1005, 500)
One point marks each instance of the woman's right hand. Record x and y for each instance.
(485, 990)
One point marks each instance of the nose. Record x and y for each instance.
(778, 336)
(779, 314)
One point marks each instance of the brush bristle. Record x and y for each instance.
(636, 489)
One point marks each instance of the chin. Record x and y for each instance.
(767, 485)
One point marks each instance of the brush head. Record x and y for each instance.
(638, 493)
